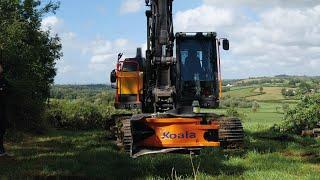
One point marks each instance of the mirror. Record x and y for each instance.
(113, 77)
(225, 44)
(120, 56)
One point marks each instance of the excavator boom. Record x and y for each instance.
(160, 91)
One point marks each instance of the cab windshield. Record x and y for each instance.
(196, 60)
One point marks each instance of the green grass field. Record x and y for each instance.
(89, 154)
(242, 92)
(270, 94)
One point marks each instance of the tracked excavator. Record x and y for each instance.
(171, 91)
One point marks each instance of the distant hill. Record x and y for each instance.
(79, 91)
(279, 79)
(85, 86)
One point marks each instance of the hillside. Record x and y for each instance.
(272, 87)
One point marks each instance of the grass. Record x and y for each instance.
(83, 154)
(242, 92)
(270, 93)
(89, 154)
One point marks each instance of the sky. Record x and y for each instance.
(267, 38)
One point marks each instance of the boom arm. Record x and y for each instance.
(159, 56)
(160, 28)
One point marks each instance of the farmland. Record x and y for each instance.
(242, 92)
(88, 153)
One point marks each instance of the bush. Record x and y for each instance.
(285, 107)
(226, 89)
(82, 107)
(288, 92)
(305, 115)
(233, 112)
(261, 89)
(304, 88)
(235, 102)
(255, 106)
(78, 114)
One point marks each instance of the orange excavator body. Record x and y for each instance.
(179, 132)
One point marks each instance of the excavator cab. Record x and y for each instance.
(198, 69)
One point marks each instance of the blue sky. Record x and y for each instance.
(267, 38)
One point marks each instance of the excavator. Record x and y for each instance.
(176, 88)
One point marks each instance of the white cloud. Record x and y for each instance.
(121, 43)
(263, 3)
(279, 39)
(65, 69)
(69, 35)
(131, 6)
(101, 46)
(57, 26)
(203, 18)
(102, 59)
(71, 45)
(103, 53)
(51, 23)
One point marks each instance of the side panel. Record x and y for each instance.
(129, 89)
(180, 132)
(129, 82)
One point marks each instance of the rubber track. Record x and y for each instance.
(127, 135)
(231, 134)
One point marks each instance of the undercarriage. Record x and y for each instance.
(171, 133)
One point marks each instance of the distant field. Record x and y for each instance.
(242, 92)
(270, 93)
(267, 115)
(273, 80)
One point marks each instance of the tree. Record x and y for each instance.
(225, 89)
(255, 106)
(288, 92)
(305, 115)
(285, 107)
(304, 88)
(261, 89)
(283, 91)
(29, 56)
(292, 83)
